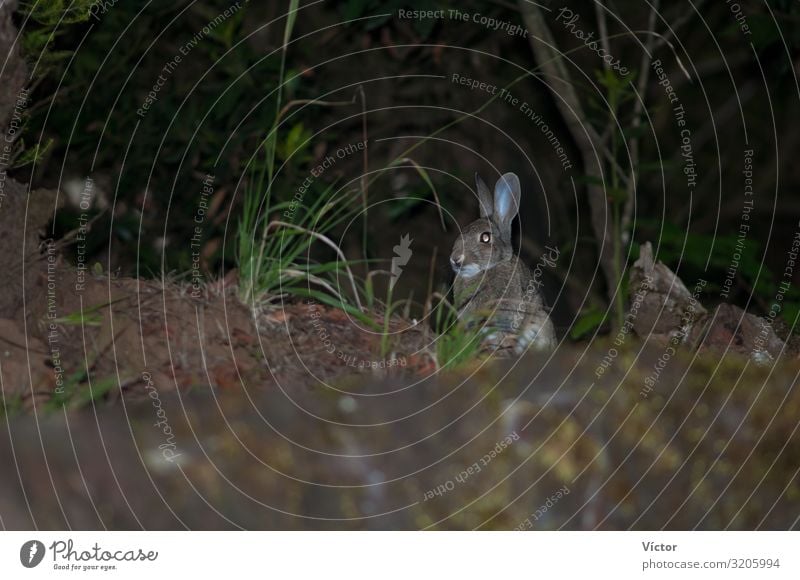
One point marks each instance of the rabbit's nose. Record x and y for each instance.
(456, 262)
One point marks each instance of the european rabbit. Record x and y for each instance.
(492, 285)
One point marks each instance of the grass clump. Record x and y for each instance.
(457, 343)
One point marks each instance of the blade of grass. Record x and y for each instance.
(327, 241)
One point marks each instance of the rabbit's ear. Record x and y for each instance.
(484, 197)
(506, 202)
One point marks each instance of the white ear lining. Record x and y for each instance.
(506, 201)
(502, 201)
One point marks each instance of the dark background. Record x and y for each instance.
(217, 106)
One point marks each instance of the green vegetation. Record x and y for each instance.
(274, 254)
(79, 391)
(45, 22)
(276, 233)
(457, 343)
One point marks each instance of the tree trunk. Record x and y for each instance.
(583, 134)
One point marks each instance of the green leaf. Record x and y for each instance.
(589, 320)
(33, 155)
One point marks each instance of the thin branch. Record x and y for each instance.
(641, 87)
(616, 166)
(687, 16)
(602, 30)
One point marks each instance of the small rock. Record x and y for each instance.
(731, 329)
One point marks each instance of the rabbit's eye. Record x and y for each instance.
(486, 237)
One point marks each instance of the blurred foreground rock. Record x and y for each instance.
(542, 444)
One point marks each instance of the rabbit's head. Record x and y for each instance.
(487, 241)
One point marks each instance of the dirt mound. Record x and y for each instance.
(101, 336)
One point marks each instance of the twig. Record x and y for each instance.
(610, 158)
(427, 308)
(71, 236)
